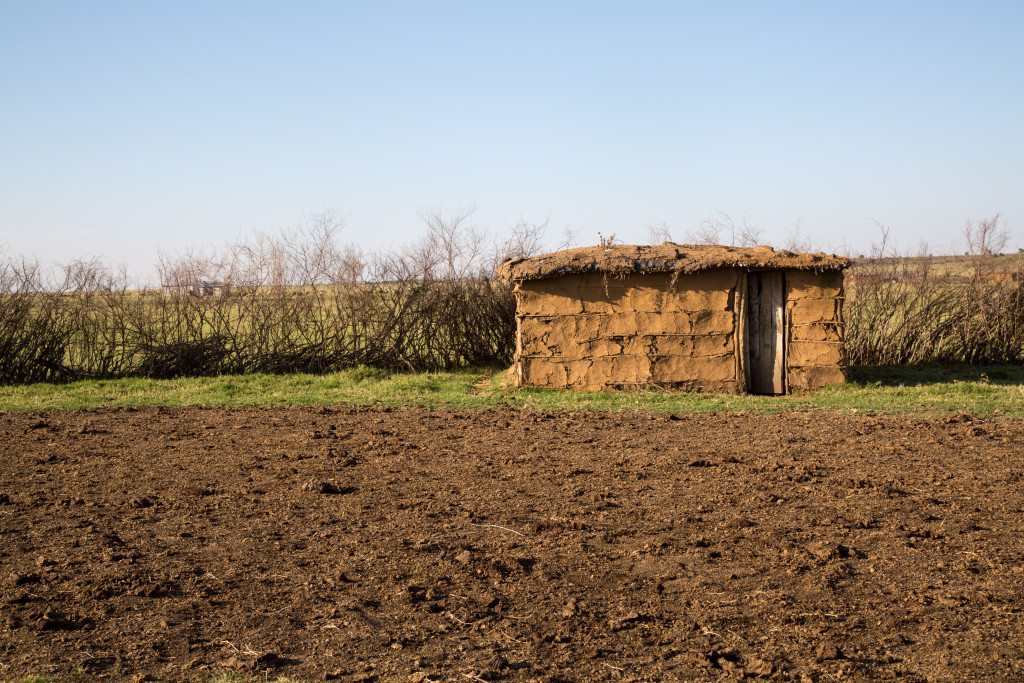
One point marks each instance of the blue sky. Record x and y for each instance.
(126, 127)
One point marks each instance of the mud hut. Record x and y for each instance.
(700, 318)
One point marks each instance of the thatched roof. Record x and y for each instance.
(663, 258)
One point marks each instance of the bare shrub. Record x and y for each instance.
(911, 308)
(720, 228)
(797, 240)
(437, 304)
(570, 238)
(55, 323)
(525, 239)
(658, 232)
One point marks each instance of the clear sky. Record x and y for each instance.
(125, 127)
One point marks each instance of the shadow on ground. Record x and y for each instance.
(910, 375)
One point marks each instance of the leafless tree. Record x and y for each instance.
(987, 236)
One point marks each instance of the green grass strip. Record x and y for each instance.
(976, 390)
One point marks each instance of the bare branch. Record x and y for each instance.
(658, 232)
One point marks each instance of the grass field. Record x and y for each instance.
(977, 390)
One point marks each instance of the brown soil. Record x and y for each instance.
(415, 545)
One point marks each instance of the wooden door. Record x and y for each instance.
(765, 332)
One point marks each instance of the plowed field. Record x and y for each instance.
(416, 545)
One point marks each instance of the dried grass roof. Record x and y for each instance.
(662, 258)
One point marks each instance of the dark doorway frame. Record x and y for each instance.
(764, 337)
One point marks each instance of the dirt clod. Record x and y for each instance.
(827, 650)
(758, 667)
(53, 620)
(269, 660)
(328, 488)
(22, 578)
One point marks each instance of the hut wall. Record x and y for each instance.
(814, 314)
(588, 331)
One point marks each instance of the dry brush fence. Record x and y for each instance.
(301, 302)
(920, 309)
(295, 302)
